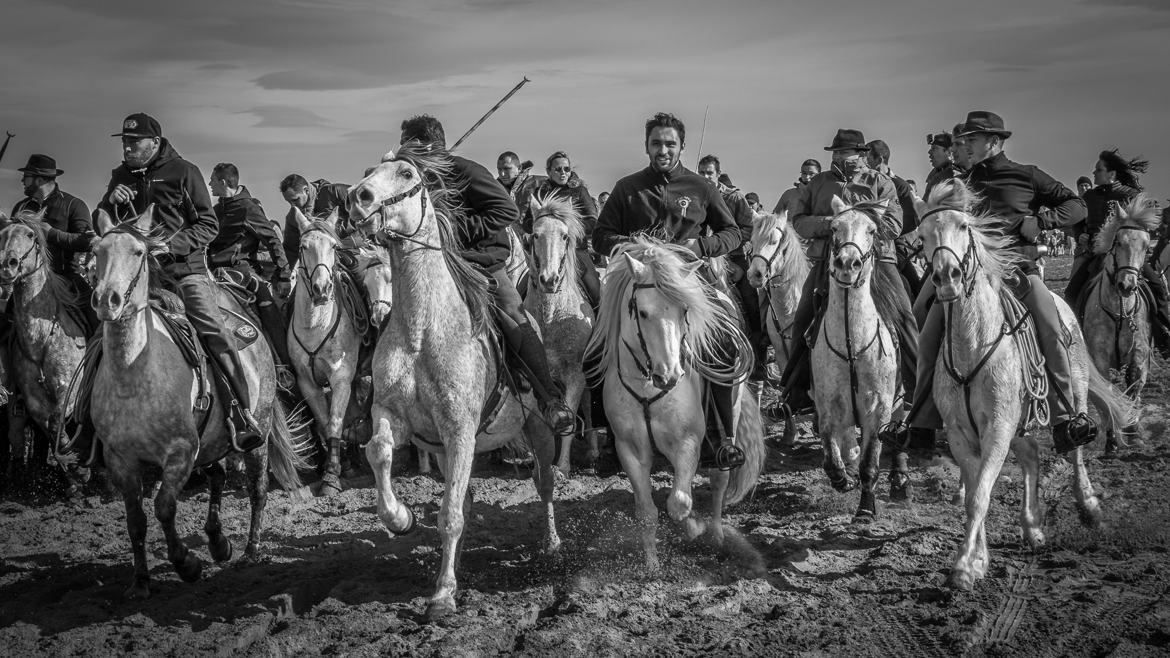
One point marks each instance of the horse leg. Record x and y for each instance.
(899, 466)
(338, 399)
(256, 480)
(593, 450)
(871, 454)
(719, 480)
(833, 463)
(460, 452)
(424, 460)
(176, 470)
(572, 400)
(318, 404)
(995, 447)
(680, 505)
(543, 476)
(396, 517)
(218, 545)
(128, 480)
(1028, 454)
(1088, 505)
(636, 460)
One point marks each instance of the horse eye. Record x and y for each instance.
(642, 314)
(406, 173)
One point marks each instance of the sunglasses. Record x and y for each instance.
(562, 170)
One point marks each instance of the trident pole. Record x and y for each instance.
(489, 113)
(5, 147)
(702, 134)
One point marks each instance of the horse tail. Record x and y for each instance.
(288, 439)
(750, 436)
(1122, 411)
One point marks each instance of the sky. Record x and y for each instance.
(319, 87)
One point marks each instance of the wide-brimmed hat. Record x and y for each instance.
(848, 139)
(139, 125)
(982, 121)
(41, 165)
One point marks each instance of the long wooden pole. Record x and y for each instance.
(5, 147)
(489, 113)
(702, 134)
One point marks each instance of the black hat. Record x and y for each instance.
(41, 165)
(1085, 179)
(982, 121)
(941, 140)
(848, 140)
(140, 125)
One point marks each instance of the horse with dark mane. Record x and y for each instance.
(439, 380)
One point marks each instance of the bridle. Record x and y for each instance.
(1119, 269)
(866, 255)
(560, 268)
(129, 287)
(39, 258)
(328, 269)
(394, 200)
(769, 261)
(969, 260)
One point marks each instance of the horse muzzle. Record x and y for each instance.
(1126, 284)
(665, 382)
(549, 284)
(755, 277)
(108, 305)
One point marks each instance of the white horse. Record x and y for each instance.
(436, 364)
(983, 383)
(661, 336)
(855, 357)
(555, 299)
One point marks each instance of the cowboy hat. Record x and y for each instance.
(41, 165)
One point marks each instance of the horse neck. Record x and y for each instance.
(972, 323)
(424, 290)
(34, 297)
(126, 340)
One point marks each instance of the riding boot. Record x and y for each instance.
(721, 451)
(233, 388)
(530, 350)
(923, 412)
(796, 380)
(276, 331)
(589, 279)
(1160, 317)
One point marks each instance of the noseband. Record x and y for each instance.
(865, 256)
(328, 269)
(1118, 269)
(969, 259)
(396, 199)
(769, 260)
(34, 247)
(93, 299)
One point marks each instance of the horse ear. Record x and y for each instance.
(919, 207)
(637, 268)
(331, 220)
(102, 222)
(143, 221)
(693, 266)
(838, 205)
(39, 216)
(533, 205)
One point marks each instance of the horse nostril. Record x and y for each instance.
(365, 196)
(114, 300)
(11, 263)
(838, 263)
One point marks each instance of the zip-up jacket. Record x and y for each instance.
(68, 228)
(243, 230)
(329, 197)
(814, 208)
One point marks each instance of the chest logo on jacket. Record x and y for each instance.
(683, 203)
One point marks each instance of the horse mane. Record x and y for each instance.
(792, 261)
(709, 326)
(564, 211)
(371, 255)
(437, 169)
(60, 286)
(1139, 213)
(874, 210)
(993, 250)
(157, 279)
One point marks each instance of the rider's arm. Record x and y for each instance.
(808, 225)
(725, 233)
(78, 229)
(610, 231)
(200, 226)
(892, 220)
(1068, 209)
(265, 231)
(489, 208)
(587, 207)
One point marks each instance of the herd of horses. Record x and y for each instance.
(658, 339)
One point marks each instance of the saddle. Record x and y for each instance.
(1018, 324)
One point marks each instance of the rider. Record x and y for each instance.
(748, 298)
(878, 159)
(68, 233)
(560, 184)
(942, 162)
(850, 177)
(788, 200)
(243, 226)
(316, 199)
(1015, 193)
(517, 178)
(154, 173)
(488, 211)
(1116, 183)
(666, 196)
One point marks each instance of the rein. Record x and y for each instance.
(646, 369)
(850, 356)
(394, 200)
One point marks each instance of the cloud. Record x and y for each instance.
(283, 116)
(318, 80)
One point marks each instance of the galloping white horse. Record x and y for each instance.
(660, 337)
(555, 299)
(982, 378)
(437, 380)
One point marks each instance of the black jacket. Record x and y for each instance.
(330, 197)
(244, 230)
(575, 191)
(680, 199)
(1013, 191)
(741, 211)
(487, 212)
(182, 207)
(1097, 207)
(68, 227)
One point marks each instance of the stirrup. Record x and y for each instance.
(562, 419)
(247, 438)
(895, 434)
(285, 379)
(729, 456)
(1073, 433)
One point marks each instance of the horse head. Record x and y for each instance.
(318, 255)
(122, 257)
(1126, 240)
(767, 242)
(395, 200)
(21, 247)
(855, 241)
(659, 324)
(556, 232)
(378, 280)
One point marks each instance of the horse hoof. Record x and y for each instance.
(900, 493)
(410, 525)
(560, 475)
(221, 550)
(437, 610)
(1034, 537)
(330, 486)
(139, 591)
(1090, 513)
(190, 569)
(961, 580)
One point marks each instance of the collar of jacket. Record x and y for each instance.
(1117, 190)
(668, 176)
(995, 162)
(165, 154)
